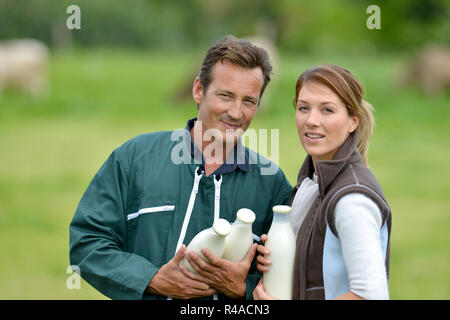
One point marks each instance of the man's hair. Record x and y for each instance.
(240, 52)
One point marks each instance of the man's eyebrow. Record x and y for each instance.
(252, 99)
(224, 91)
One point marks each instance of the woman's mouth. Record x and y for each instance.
(314, 136)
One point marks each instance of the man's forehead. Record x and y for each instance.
(224, 71)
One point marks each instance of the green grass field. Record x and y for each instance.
(52, 146)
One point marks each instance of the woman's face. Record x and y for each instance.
(323, 122)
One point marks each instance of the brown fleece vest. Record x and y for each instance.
(343, 175)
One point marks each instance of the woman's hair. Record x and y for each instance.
(239, 52)
(348, 88)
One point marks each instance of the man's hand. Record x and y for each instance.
(223, 275)
(171, 282)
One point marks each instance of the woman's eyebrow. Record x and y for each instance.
(322, 103)
(328, 102)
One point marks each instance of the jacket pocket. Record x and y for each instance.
(148, 229)
(150, 210)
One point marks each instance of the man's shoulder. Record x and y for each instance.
(255, 158)
(148, 139)
(264, 166)
(151, 142)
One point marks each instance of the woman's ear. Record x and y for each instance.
(197, 91)
(354, 123)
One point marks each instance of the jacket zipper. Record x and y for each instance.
(217, 184)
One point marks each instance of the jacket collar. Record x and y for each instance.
(238, 159)
(328, 170)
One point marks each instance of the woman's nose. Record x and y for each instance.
(313, 119)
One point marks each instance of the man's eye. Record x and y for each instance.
(250, 102)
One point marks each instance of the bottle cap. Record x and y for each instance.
(246, 215)
(282, 209)
(222, 227)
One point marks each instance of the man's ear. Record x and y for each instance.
(197, 91)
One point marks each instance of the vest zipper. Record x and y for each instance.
(304, 252)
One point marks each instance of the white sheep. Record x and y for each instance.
(23, 66)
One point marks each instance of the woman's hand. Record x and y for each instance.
(260, 294)
(263, 263)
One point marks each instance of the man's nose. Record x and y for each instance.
(235, 111)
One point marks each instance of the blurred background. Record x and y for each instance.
(69, 97)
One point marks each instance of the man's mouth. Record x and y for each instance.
(229, 125)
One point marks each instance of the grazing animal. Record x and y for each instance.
(23, 66)
(429, 70)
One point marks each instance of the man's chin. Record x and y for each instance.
(232, 136)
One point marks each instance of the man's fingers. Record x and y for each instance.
(250, 254)
(190, 293)
(202, 264)
(215, 261)
(196, 283)
(179, 255)
(198, 280)
(198, 264)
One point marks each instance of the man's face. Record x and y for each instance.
(230, 101)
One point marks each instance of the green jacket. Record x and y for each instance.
(142, 205)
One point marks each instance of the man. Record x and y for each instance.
(157, 191)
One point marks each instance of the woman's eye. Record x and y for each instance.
(302, 108)
(328, 110)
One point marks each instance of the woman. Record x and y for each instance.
(339, 213)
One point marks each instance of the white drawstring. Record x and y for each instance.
(217, 184)
(187, 216)
(190, 207)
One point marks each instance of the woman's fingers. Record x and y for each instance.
(258, 293)
(262, 250)
(264, 238)
(263, 263)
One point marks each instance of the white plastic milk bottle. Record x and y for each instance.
(241, 236)
(212, 238)
(281, 243)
